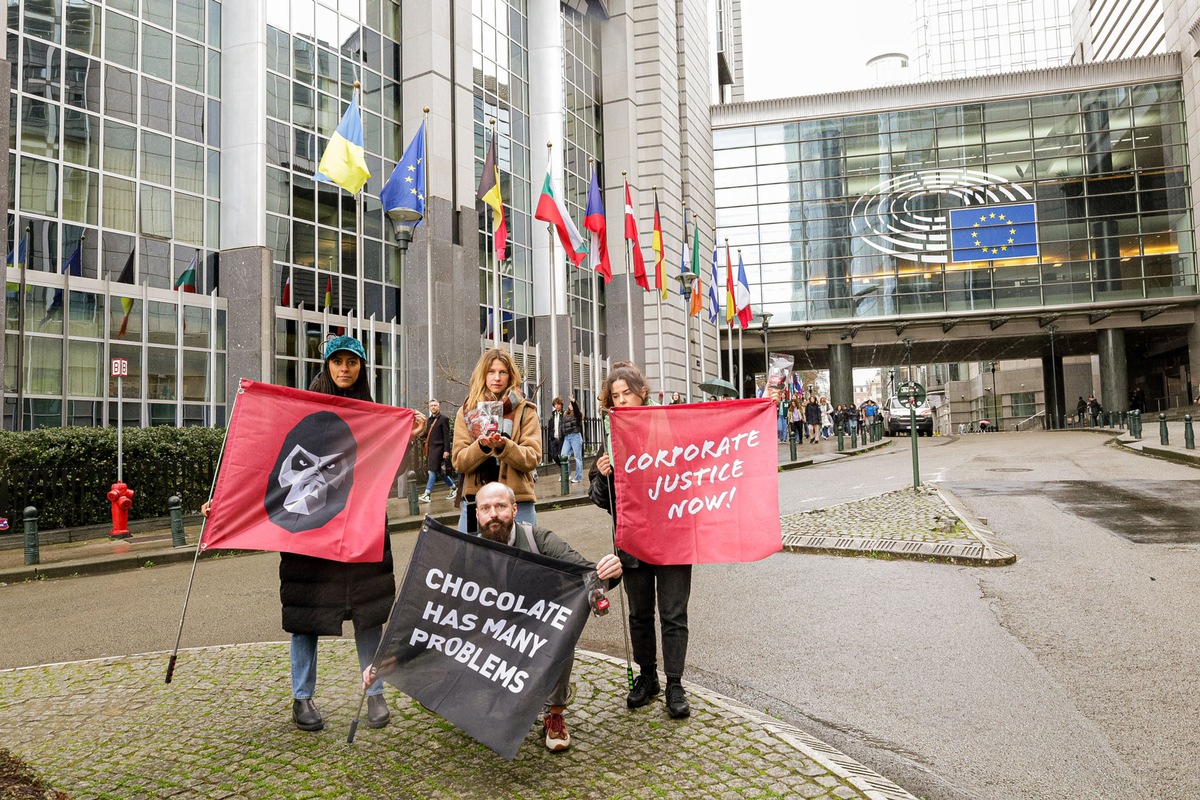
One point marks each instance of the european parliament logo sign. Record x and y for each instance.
(943, 216)
(992, 233)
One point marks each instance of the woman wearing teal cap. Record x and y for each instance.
(318, 594)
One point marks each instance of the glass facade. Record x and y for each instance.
(960, 38)
(500, 69)
(850, 217)
(114, 151)
(315, 53)
(584, 142)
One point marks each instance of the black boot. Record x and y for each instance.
(377, 711)
(645, 686)
(677, 704)
(306, 716)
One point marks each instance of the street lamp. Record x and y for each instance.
(765, 318)
(686, 279)
(1053, 404)
(995, 400)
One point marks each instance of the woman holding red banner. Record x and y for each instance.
(318, 594)
(497, 436)
(669, 586)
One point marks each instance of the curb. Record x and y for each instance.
(987, 551)
(100, 565)
(1189, 459)
(870, 783)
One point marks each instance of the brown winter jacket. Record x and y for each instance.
(519, 456)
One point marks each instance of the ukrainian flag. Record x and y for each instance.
(993, 233)
(344, 160)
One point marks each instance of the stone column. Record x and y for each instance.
(1053, 389)
(1114, 377)
(841, 375)
(1193, 376)
(250, 334)
(5, 79)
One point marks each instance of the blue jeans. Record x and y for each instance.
(526, 512)
(573, 443)
(433, 476)
(671, 586)
(304, 660)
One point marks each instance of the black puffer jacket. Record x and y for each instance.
(318, 594)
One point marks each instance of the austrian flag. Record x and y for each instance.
(307, 473)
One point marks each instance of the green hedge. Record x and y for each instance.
(67, 472)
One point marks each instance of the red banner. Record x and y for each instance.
(697, 483)
(307, 473)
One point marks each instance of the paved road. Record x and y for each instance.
(1070, 674)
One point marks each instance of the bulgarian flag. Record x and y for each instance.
(660, 261)
(550, 209)
(187, 279)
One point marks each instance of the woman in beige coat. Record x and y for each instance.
(509, 455)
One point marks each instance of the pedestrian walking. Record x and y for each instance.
(826, 418)
(796, 413)
(437, 452)
(647, 586)
(1093, 409)
(812, 418)
(572, 428)
(510, 452)
(555, 431)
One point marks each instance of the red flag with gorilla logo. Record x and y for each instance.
(306, 473)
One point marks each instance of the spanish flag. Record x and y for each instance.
(660, 261)
(489, 193)
(344, 160)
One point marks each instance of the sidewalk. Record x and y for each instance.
(222, 729)
(1151, 442)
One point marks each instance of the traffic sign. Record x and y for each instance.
(120, 368)
(910, 394)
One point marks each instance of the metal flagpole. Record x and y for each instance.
(595, 281)
(428, 261)
(497, 312)
(28, 235)
(716, 312)
(728, 318)
(552, 263)
(741, 377)
(662, 377)
(628, 282)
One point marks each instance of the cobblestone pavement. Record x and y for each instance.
(111, 728)
(925, 523)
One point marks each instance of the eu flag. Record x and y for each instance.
(403, 196)
(993, 233)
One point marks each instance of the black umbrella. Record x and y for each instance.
(718, 387)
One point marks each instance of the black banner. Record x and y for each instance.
(481, 631)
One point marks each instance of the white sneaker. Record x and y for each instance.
(453, 494)
(424, 498)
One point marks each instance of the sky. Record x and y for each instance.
(802, 47)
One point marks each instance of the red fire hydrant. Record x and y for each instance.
(121, 497)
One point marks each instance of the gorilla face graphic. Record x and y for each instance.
(313, 473)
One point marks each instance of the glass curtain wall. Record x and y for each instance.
(849, 217)
(584, 142)
(316, 50)
(500, 69)
(114, 160)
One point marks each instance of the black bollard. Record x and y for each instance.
(1189, 438)
(175, 509)
(32, 554)
(414, 506)
(792, 445)
(841, 444)
(564, 477)
(1163, 438)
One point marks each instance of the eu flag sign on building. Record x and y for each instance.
(993, 233)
